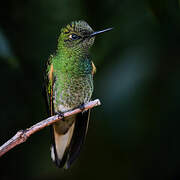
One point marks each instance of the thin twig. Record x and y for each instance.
(22, 135)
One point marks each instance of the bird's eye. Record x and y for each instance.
(74, 36)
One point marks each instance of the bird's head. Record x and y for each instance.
(78, 35)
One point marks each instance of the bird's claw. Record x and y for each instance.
(82, 107)
(61, 115)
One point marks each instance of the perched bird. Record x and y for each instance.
(69, 84)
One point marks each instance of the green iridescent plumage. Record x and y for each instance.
(69, 85)
(72, 67)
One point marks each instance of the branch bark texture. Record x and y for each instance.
(22, 135)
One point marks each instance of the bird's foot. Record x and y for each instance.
(61, 115)
(82, 107)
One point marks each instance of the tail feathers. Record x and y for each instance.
(60, 147)
(67, 146)
(79, 135)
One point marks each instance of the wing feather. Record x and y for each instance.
(49, 79)
(73, 140)
(93, 69)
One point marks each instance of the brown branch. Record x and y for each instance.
(22, 135)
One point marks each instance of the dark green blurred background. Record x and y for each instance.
(135, 133)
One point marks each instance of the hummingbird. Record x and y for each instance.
(69, 84)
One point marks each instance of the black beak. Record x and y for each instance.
(99, 32)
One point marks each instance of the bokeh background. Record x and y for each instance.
(135, 133)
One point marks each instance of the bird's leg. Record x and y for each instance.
(82, 107)
(61, 115)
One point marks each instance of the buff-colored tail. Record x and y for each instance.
(66, 146)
